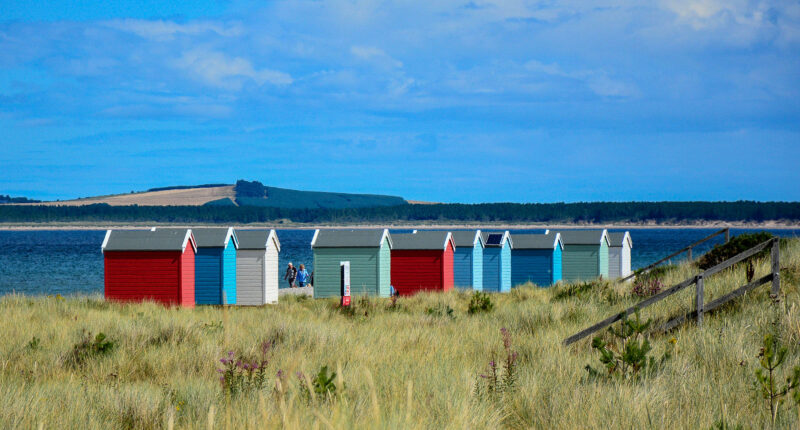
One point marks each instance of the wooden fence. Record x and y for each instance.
(699, 281)
(686, 249)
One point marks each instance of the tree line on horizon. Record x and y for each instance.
(589, 212)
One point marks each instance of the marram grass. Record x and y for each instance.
(397, 368)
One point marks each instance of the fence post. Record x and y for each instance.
(727, 235)
(699, 300)
(776, 268)
(689, 253)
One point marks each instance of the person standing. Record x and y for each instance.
(302, 276)
(290, 275)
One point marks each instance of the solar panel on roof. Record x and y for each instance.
(494, 239)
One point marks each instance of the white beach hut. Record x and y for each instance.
(257, 267)
(619, 255)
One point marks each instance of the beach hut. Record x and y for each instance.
(619, 255)
(215, 267)
(257, 267)
(369, 254)
(497, 261)
(536, 258)
(422, 261)
(468, 259)
(150, 265)
(585, 255)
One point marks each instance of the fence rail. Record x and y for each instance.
(699, 281)
(686, 249)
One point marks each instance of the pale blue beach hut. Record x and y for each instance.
(468, 262)
(497, 261)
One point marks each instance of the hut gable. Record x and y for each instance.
(584, 237)
(467, 239)
(350, 238)
(257, 239)
(215, 237)
(537, 241)
(496, 239)
(148, 240)
(620, 239)
(430, 240)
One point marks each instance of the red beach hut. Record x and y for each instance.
(153, 265)
(422, 261)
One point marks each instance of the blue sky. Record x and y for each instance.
(456, 101)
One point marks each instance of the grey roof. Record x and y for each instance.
(617, 238)
(582, 237)
(256, 239)
(466, 239)
(213, 237)
(421, 240)
(147, 240)
(349, 238)
(485, 237)
(536, 241)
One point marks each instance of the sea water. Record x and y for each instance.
(69, 262)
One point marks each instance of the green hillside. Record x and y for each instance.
(256, 194)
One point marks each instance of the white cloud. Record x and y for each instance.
(376, 55)
(217, 69)
(597, 81)
(166, 30)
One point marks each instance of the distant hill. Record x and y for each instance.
(244, 193)
(257, 194)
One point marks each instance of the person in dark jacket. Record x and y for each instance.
(291, 274)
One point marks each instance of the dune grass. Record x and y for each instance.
(397, 367)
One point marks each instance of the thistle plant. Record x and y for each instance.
(647, 287)
(499, 379)
(627, 354)
(771, 357)
(239, 375)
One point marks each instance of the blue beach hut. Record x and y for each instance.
(468, 260)
(536, 258)
(215, 266)
(496, 262)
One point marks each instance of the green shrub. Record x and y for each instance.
(323, 384)
(441, 310)
(88, 348)
(772, 357)
(479, 303)
(33, 344)
(737, 245)
(574, 290)
(630, 358)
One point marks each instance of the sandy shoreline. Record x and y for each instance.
(484, 226)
